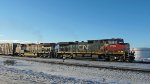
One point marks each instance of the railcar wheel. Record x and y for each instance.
(99, 57)
(111, 58)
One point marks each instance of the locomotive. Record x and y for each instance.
(106, 49)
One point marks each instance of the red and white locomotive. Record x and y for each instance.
(108, 49)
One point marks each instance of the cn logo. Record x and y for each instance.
(83, 47)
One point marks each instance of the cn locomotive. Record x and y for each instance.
(105, 49)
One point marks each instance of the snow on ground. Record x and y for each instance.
(146, 60)
(29, 72)
(91, 63)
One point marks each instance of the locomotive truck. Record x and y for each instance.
(106, 49)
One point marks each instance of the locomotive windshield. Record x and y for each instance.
(116, 41)
(120, 41)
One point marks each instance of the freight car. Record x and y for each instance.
(107, 49)
(8, 48)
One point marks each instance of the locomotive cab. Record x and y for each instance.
(116, 49)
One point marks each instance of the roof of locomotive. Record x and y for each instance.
(88, 41)
(48, 43)
(107, 39)
(65, 43)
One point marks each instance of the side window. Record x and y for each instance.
(110, 42)
(115, 42)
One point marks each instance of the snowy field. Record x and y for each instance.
(89, 63)
(29, 72)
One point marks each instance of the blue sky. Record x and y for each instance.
(71, 20)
